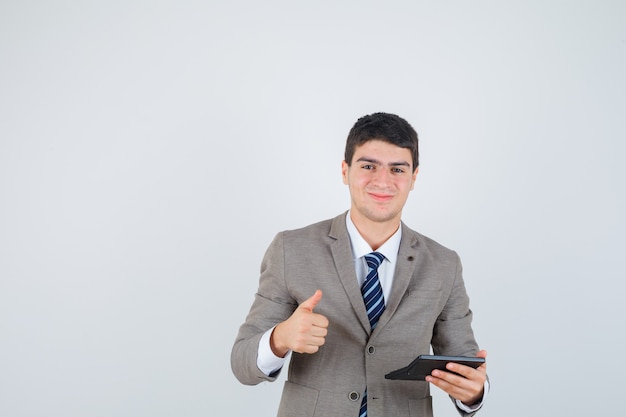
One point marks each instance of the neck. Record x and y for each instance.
(375, 233)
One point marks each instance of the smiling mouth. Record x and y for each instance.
(381, 197)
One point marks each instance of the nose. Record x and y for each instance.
(382, 178)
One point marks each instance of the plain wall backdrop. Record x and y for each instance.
(150, 151)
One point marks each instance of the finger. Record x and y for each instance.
(458, 387)
(311, 344)
(460, 376)
(310, 349)
(310, 303)
(317, 341)
(450, 378)
(482, 354)
(468, 371)
(463, 370)
(317, 331)
(319, 320)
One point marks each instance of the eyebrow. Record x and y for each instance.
(377, 162)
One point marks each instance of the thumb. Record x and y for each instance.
(312, 301)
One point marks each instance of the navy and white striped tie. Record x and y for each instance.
(374, 302)
(372, 290)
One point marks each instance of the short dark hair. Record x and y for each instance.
(387, 127)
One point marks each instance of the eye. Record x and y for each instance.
(367, 166)
(397, 170)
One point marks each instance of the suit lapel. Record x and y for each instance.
(341, 250)
(405, 267)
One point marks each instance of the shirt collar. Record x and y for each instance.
(361, 248)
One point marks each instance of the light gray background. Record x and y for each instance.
(149, 151)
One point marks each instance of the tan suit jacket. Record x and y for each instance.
(428, 305)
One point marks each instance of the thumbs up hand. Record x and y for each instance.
(303, 332)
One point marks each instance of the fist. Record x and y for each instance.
(303, 332)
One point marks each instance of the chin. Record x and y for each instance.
(381, 217)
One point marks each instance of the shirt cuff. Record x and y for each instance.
(474, 407)
(266, 361)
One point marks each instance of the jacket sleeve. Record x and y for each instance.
(272, 305)
(452, 334)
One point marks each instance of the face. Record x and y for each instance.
(380, 179)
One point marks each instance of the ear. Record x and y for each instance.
(414, 177)
(344, 171)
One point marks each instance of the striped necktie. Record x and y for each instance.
(372, 290)
(374, 302)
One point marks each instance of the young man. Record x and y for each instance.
(360, 295)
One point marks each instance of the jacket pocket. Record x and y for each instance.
(297, 401)
(422, 407)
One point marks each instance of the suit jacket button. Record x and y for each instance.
(371, 349)
(354, 396)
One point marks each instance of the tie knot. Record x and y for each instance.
(374, 259)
